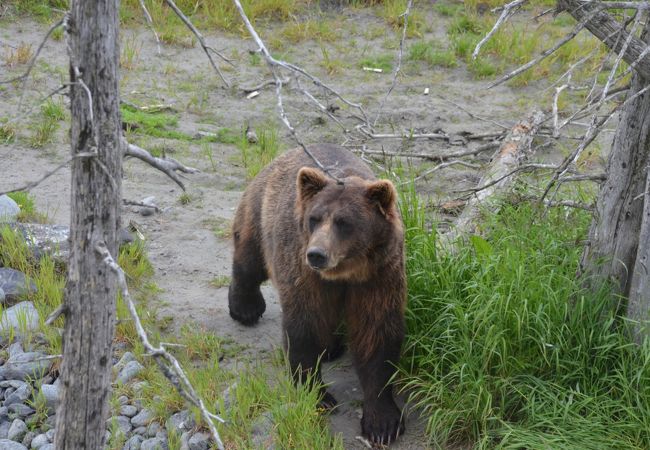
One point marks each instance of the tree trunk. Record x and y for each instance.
(619, 239)
(96, 181)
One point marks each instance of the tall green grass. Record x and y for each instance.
(505, 349)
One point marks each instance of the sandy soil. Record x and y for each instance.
(183, 247)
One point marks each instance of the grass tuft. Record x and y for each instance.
(507, 350)
(255, 157)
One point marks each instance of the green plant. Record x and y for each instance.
(255, 157)
(28, 211)
(505, 347)
(383, 62)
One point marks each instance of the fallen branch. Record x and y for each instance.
(169, 365)
(514, 149)
(168, 166)
(432, 157)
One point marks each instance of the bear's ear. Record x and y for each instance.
(384, 193)
(310, 182)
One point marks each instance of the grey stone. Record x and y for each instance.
(123, 399)
(4, 429)
(123, 424)
(199, 441)
(48, 447)
(227, 397)
(17, 430)
(50, 435)
(152, 429)
(18, 409)
(21, 318)
(261, 432)
(161, 434)
(25, 365)
(143, 418)
(6, 444)
(128, 410)
(134, 443)
(140, 430)
(20, 395)
(139, 386)
(129, 372)
(51, 394)
(51, 420)
(46, 239)
(126, 358)
(179, 422)
(154, 444)
(3, 297)
(15, 349)
(27, 440)
(185, 441)
(15, 284)
(9, 209)
(39, 441)
(4, 413)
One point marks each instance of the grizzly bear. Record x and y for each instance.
(334, 250)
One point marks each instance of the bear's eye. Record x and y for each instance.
(342, 224)
(313, 221)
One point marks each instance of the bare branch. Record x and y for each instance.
(168, 166)
(147, 16)
(398, 67)
(507, 11)
(170, 365)
(199, 36)
(432, 157)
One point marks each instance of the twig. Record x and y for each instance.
(262, 85)
(60, 311)
(170, 365)
(168, 166)
(432, 157)
(144, 205)
(398, 67)
(199, 36)
(546, 52)
(507, 11)
(147, 16)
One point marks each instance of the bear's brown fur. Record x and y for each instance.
(334, 252)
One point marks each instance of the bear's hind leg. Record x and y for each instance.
(245, 299)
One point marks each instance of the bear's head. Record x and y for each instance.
(349, 229)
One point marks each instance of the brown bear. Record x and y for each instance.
(334, 250)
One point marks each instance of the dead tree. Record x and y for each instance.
(619, 238)
(618, 248)
(91, 288)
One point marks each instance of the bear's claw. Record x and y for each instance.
(383, 428)
(245, 309)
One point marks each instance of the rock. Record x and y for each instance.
(46, 239)
(25, 365)
(51, 420)
(126, 358)
(50, 435)
(6, 444)
(20, 395)
(185, 441)
(141, 431)
(9, 209)
(51, 394)
(227, 397)
(4, 429)
(15, 349)
(121, 423)
(261, 432)
(199, 441)
(129, 372)
(17, 430)
(27, 440)
(154, 444)
(123, 399)
(125, 237)
(179, 422)
(3, 297)
(139, 386)
(128, 410)
(152, 429)
(21, 318)
(15, 284)
(134, 443)
(143, 418)
(39, 441)
(20, 410)
(48, 447)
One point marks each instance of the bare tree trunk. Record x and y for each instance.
(96, 181)
(619, 239)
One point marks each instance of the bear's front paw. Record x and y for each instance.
(246, 309)
(382, 425)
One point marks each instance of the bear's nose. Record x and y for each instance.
(317, 257)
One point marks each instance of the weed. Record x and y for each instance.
(383, 62)
(322, 30)
(185, 198)
(7, 132)
(220, 281)
(505, 347)
(431, 54)
(21, 55)
(28, 211)
(255, 157)
(47, 124)
(207, 150)
(392, 11)
(331, 65)
(130, 54)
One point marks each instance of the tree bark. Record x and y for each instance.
(90, 292)
(619, 236)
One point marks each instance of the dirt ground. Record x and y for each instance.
(186, 252)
